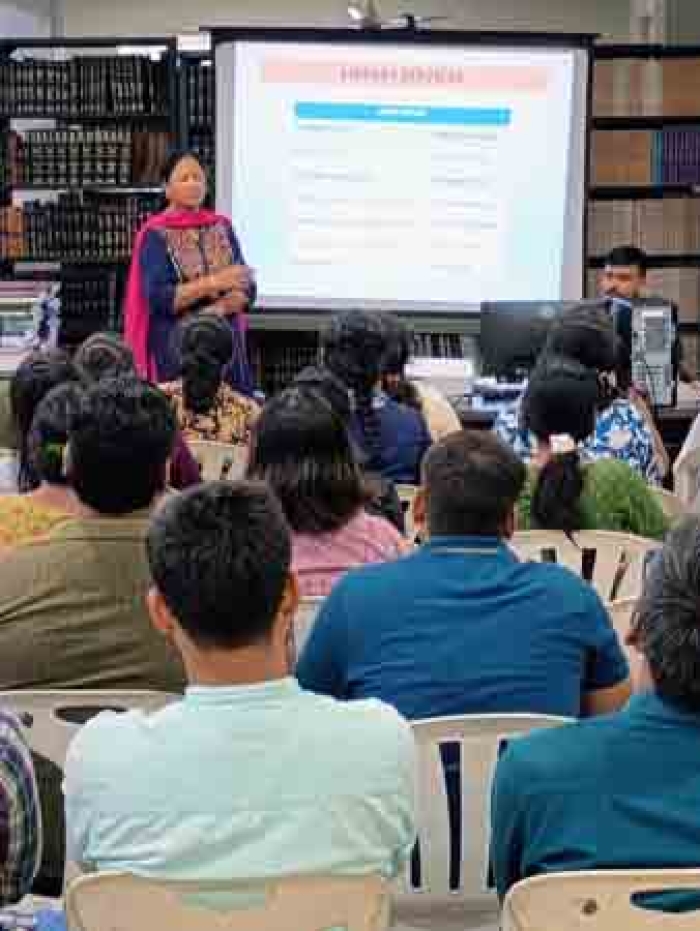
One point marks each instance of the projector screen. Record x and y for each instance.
(415, 178)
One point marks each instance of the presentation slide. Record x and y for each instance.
(404, 177)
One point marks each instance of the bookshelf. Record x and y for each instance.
(85, 126)
(645, 170)
(197, 101)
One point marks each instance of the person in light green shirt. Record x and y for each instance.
(564, 492)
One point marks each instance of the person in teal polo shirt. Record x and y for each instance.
(621, 791)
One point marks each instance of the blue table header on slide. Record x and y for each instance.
(403, 113)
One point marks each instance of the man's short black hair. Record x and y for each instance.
(472, 481)
(628, 256)
(220, 555)
(666, 626)
(120, 445)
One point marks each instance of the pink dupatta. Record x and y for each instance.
(137, 315)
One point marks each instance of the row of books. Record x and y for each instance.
(199, 91)
(442, 345)
(202, 143)
(73, 228)
(89, 303)
(666, 156)
(275, 363)
(77, 157)
(121, 85)
(646, 87)
(668, 226)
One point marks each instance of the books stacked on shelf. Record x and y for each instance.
(122, 85)
(275, 363)
(199, 97)
(442, 345)
(666, 156)
(670, 226)
(11, 233)
(646, 87)
(88, 304)
(77, 157)
(78, 228)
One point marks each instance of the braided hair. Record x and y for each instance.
(206, 347)
(354, 350)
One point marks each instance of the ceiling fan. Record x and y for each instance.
(366, 16)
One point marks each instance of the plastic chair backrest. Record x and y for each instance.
(304, 620)
(121, 902)
(478, 739)
(598, 901)
(219, 461)
(406, 495)
(614, 563)
(672, 506)
(50, 719)
(686, 468)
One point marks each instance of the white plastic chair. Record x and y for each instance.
(614, 563)
(407, 494)
(599, 900)
(304, 620)
(48, 718)
(219, 460)
(686, 469)
(479, 739)
(121, 902)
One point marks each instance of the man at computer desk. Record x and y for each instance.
(625, 276)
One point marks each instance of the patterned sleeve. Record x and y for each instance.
(20, 815)
(508, 429)
(622, 434)
(239, 259)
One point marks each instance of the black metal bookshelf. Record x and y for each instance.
(128, 85)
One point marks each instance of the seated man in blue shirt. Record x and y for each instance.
(248, 776)
(461, 626)
(621, 791)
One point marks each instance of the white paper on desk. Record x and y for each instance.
(451, 376)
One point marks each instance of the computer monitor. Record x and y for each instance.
(513, 334)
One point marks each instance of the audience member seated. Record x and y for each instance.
(440, 417)
(623, 428)
(461, 626)
(207, 407)
(248, 776)
(20, 814)
(35, 377)
(26, 517)
(623, 791)
(392, 436)
(72, 611)
(563, 490)
(302, 450)
(384, 499)
(104, 355)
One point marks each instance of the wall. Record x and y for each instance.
(683, 22)
(133, 17)
(25, 18)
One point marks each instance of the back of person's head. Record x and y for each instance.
(220, 557)
(104, 355)
(120, 445)
(559, 407)
(471, 483)
(35, 377)
(301, 448)
(329, 386)
(586, 334)
(396, 357)
(50, 432)
(666, 626)
(206, 346)
(354, 347)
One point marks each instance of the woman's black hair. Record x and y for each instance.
(173, 160)
(104, 355)
(329, 387)
(35, 377)
(206, 347)
(50, 431)
(561, 398)
(354, 347)
(302, 450)
(399, 348)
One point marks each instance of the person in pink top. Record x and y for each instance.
(302, 450)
